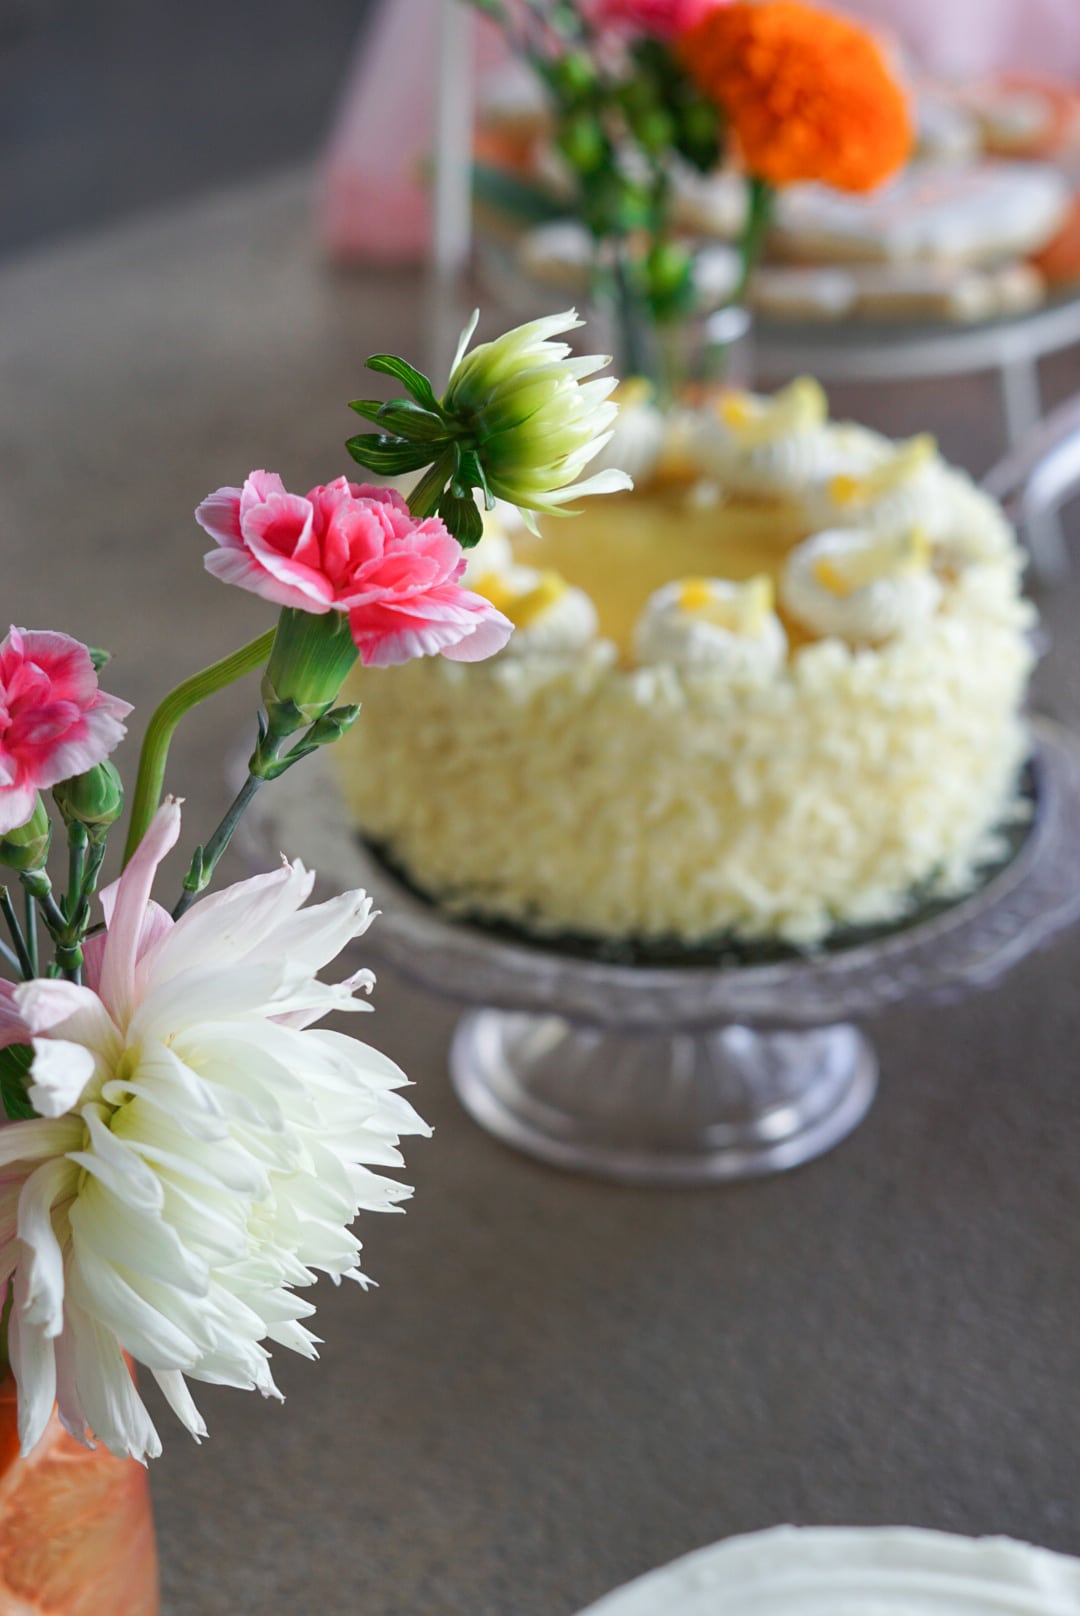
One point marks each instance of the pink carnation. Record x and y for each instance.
(663, 19)
(54, 720)
(354, 549)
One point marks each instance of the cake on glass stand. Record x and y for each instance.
(698, 1072)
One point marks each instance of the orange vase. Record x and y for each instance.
(76, 1531)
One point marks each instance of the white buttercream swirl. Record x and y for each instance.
(781, 446)
(913, 487)
(860, 586)
(712, 623)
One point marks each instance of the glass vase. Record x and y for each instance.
(76, 1528)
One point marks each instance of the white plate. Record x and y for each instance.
(852, 1571)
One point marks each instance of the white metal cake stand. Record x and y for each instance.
(686, 1074)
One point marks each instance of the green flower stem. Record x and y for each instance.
(7, 909)
(65, 936)
(77, 842)
(9, 956)
(159, 733)
(30, 930)
(38, 885)
(759, 212)
(218, 842)
(635, 357)
(424, 499)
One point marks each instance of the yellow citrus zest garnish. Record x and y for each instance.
(735, 409)
(753, 420)
(744, 611)
(918, 451)
(845, 489)
(695, 595)
(896, 557)
(521, 606)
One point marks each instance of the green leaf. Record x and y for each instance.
(387, 457)
(401, 418)
(368, 407)
(407, 420)
(494, 188)
(471, 475)
(414, 381)
(462, 517)
(99, 658)
(15, 1063)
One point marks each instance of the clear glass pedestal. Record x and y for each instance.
(688, 1074)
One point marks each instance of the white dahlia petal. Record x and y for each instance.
(43, 1272)
(33, 1363)
(61, 1072)
(174, 1390)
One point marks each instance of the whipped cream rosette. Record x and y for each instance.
(861, 586)
(712, 623)
(912, 486)
(548, 614)
(780, 446)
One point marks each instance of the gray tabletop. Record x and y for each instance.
(559, 1383)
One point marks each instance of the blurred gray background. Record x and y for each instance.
(111, 106)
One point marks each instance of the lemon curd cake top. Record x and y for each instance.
(774, 692)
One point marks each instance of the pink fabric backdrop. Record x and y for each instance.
(374, 201)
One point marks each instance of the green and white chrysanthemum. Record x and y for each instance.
(535, 419)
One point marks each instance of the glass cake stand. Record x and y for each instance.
(686, 1074)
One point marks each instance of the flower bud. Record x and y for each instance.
(28, 847)
(583, 143)
(310, 658)
(94, 799)
(533, 419)
(655, 130)
(574, 76)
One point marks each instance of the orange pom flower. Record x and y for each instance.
(809, 95)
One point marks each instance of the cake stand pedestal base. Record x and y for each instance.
(693, 1107)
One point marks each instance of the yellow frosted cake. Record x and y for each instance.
(775, 692)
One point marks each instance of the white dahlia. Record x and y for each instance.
(200, 1149)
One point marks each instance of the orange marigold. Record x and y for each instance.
(808, 94)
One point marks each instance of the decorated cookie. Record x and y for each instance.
(954, 213)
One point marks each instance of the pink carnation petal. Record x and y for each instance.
(381, 496)
(219, 515)
(240, 568)
(486, 639)
(17, 805)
